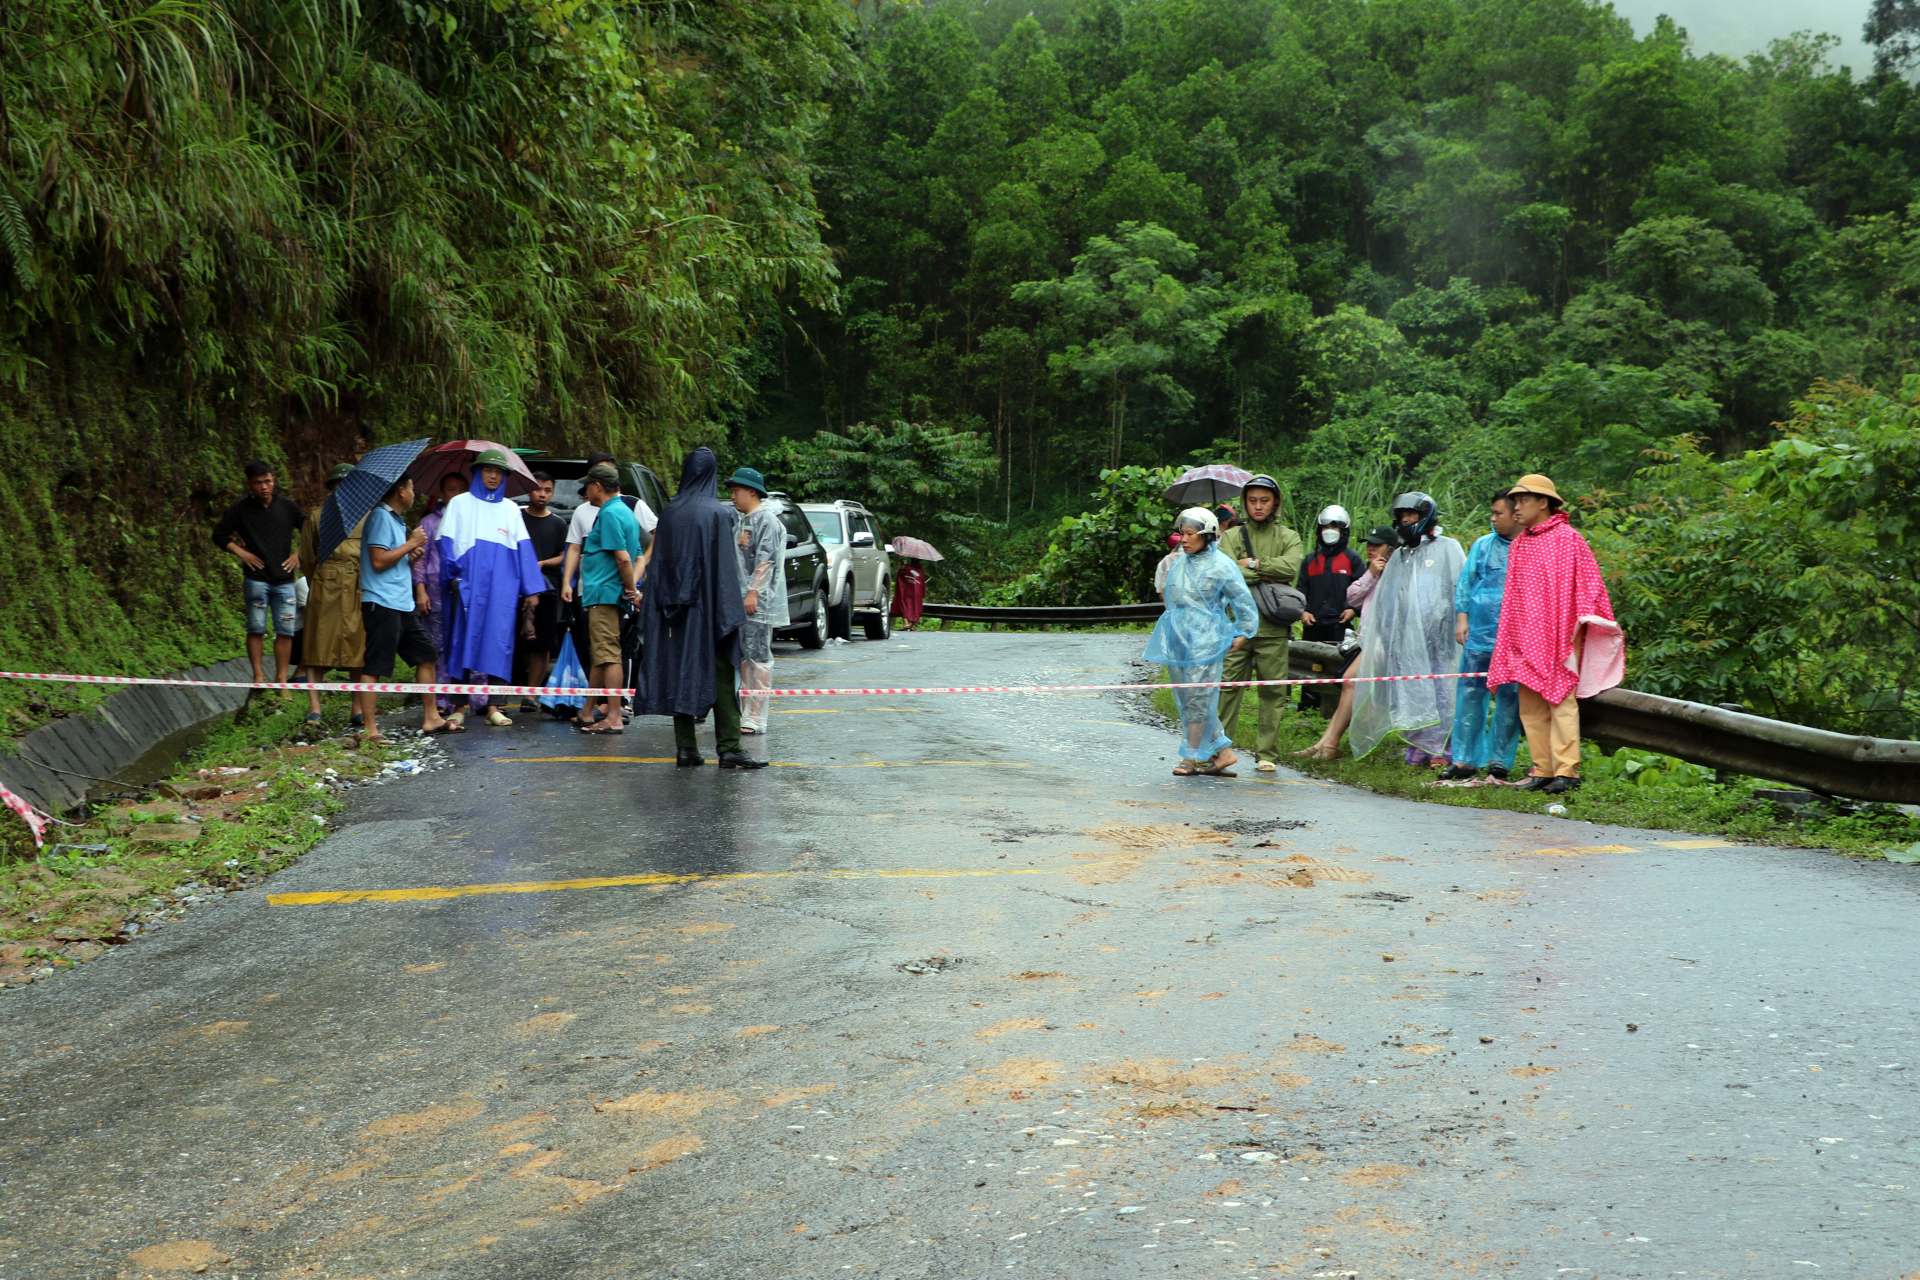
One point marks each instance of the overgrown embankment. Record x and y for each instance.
(106, 566)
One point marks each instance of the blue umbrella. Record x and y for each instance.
(356, 496)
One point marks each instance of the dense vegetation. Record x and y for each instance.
(290, 229)
(1397, 244)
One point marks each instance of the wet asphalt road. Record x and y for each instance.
(1392, 1042)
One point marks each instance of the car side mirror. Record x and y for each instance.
(792, 541)
(862, 539)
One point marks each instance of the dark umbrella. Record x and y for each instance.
(357, 495)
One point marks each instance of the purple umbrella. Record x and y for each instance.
(1208, 485)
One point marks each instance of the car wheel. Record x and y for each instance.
(880, 624)
(814, 634)
(840, 616)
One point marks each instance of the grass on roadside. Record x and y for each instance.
(130, 862)
(1628, 789)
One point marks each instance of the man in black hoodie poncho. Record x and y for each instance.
(691, 612)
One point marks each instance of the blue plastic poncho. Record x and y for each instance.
(1482, 586)
(1208, 607)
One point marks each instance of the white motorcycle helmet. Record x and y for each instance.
(1331, 516)
(1201, 520)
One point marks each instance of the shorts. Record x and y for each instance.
(391, 632)
(263, 598)
(603, 633)
(547, 628)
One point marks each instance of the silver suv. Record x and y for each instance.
(859, 568)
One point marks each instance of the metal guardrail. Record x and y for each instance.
(1836, 764)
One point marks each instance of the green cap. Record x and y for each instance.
(341, 470)
(1383, 535)
(748, 478)
(494, 458)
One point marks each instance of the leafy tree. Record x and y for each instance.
(1127, 321)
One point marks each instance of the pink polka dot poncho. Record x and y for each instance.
(1552, 582)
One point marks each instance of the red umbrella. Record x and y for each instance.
(914, 549)
(456, 457)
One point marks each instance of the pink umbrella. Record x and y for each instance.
(1206, 486)
(914, 549)
(456, 457)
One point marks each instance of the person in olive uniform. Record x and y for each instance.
(1266, 551)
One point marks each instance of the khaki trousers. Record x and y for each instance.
(1553, 734)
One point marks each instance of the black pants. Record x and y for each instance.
(726, 713)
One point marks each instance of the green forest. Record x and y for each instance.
(998, 265)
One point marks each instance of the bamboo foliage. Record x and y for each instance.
(553, 220)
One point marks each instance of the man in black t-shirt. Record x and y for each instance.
(259, 531)
(541, 626)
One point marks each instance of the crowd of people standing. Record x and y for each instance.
(479, 592)
(1458, 651)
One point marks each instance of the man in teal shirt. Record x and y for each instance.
(608, 568)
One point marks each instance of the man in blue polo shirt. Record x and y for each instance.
(393, 629)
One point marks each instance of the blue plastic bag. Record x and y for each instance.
(567, 674)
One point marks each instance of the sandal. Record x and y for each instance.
(314, 717)
(595, 733)
(445, 727)
(497, 718)
(1185, 771)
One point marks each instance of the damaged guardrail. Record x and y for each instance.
(1836, 764)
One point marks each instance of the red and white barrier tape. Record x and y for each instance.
(525, 690)
(38, 821)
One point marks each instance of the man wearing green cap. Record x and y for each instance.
(488, 566)
(761, 542)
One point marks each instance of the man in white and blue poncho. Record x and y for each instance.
(487, 566)
(1210, 613)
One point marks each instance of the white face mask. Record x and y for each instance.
(1330, 535)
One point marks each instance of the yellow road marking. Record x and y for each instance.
(781, 764)
(1695, 844)
(434, 892)
(1584, 848)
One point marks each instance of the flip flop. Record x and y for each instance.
(595, 733)
(1216, 771)
(314, 717)
(448, 727)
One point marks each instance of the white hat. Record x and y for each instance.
(1335, 514)
(1202, 519)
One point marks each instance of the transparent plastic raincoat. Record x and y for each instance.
(1408, 630)
(761, 542)
(1208, 607)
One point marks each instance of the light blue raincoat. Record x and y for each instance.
(1208, 607)
(1481, 739)
(1482, 586)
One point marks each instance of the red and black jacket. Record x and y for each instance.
(1324, 576)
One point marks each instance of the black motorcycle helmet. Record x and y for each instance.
(1414, 532)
